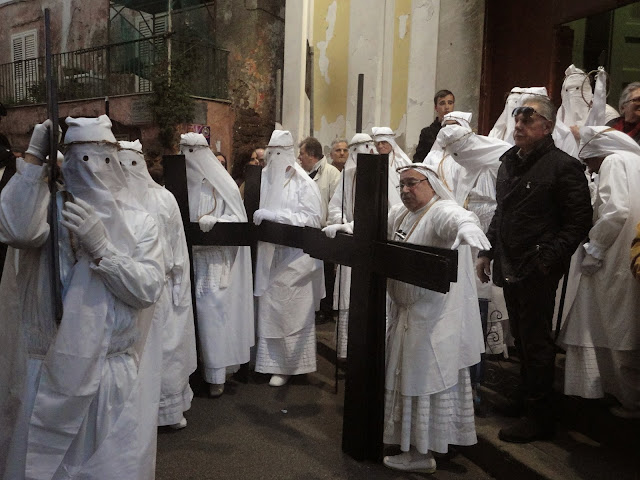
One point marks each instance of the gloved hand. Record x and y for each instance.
(331, 230)
(175, 293)
(207, 222)
(39, 143)
(82, 220)
(472, 235)
(263, 214)
(590, 265)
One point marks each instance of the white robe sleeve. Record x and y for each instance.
(448, 219)
(180, 252)
(613, 208)
(335, 204)
(137, 280)
(23, 207)
(308, 211)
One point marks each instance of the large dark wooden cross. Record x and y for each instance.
(372, 258)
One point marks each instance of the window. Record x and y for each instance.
(24, 50)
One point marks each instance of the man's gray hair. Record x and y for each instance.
(335, 141)
(626, 93)
(544, 106)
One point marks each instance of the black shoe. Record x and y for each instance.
(526, 430)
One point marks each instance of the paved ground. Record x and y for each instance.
(294, 432)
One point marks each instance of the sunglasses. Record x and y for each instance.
(526, 112)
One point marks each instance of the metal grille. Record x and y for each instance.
(107, 70)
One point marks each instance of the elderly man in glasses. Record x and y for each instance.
(433, 338)
(543, 212)
(629, 120)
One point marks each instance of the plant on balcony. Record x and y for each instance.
(171, 103)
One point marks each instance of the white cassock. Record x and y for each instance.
(342, 206)
(223, 279)
(432, 339)
(173, 311)
(73, 401)
(289, 283)
(477, 159)
(602, 332)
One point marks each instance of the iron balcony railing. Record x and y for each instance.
(115, 69)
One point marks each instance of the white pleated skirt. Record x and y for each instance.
(431, 422)
(291, 355)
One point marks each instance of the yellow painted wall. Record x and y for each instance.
(401, 49)
(330, 99)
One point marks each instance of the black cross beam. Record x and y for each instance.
(372, 258)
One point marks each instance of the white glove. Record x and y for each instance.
(82, 220)
(590, 265)
(207, 222)
(39, 143)
(263, 214)
(176, 294)
(472, 235)
(331, 230)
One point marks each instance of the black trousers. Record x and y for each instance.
(530, 304)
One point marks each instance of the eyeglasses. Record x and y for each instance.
(635, 100)
(526, 112)
(410, 184)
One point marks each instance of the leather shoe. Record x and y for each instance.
(526, 430)
(278, 380)
(408, 462)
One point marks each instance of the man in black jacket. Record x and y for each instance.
(543, 212)
(443, 103)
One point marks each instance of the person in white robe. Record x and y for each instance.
(433, 337)
(289, 283)
(224, 301)
(340, 219)
(478, 159)
(439, 157)
(602, 333)
(173, 310)
(70, 393)
(385, 142)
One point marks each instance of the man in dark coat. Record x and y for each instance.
(543, 213)
(443, 103)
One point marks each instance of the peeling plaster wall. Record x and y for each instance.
(253, 32)
(331, 29)
(75, 24)
(460, 52)
(394, 44)
(365, 56)
(401, 54)
(422, 71)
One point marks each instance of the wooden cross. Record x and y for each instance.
(372, 258)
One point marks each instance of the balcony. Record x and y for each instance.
(116, 69)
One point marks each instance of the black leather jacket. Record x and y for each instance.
(543, 213)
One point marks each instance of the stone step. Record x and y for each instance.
(590, 442)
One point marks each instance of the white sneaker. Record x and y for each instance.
(278, 380)
(407, 462)
(216, 389)
(180, 425)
